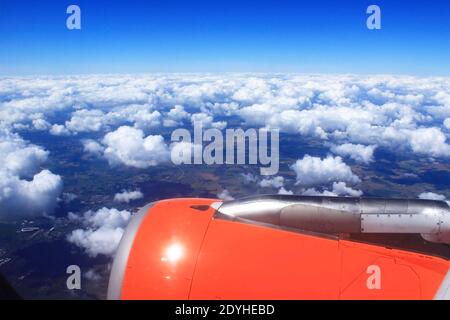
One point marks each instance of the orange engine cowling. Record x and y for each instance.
(186, 249)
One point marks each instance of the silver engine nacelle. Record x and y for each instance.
(338, 215)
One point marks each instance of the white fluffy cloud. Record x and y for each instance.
(431, 141)
(19, 157)
(283, 191)
(127, 196)
(431, 196)
(275, 182)
(341, 189)
(202, 118)
(315, 192)
(102, 233)
(313, 171)
(128, 146)
(86, 121)
(41, 124)
(25, 192)
(357, 152)
(59, 130)
(27, 198)
(175, 116)
(93, 147)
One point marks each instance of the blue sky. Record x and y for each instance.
(224, 36)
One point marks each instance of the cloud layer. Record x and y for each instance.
(402, 113)
(120, 118)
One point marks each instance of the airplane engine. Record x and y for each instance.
(279, 247)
